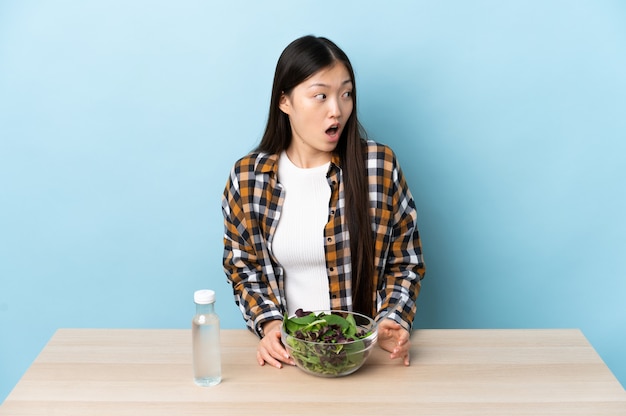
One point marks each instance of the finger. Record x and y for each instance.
(280, 352)
(398, 339)
(401, 351)
(272, 351)
(272, 361)
(282, 355)
(265, 354)
(402, 337)
(407, 360)
(267, 357)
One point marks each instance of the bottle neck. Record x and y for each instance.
(204, 309)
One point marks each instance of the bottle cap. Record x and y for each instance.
(204, 297)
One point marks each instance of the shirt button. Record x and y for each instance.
(332, 269)
(332, 212)
(329, 239)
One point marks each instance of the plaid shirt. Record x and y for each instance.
(251, 205)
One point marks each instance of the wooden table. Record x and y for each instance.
(453, 372)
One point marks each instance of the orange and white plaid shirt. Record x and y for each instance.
(252, 203)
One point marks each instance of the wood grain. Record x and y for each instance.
(453, 372)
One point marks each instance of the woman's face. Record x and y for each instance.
(318, 109)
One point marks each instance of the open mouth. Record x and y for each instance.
(332, 130)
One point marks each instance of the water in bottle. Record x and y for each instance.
(205, 333)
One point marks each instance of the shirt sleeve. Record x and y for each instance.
(404, 267)
(245, 255)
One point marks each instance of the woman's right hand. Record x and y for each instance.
(270, 349)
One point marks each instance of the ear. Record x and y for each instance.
(284, 103)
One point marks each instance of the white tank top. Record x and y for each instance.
(298, 243)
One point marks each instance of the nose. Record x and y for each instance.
(334, 108)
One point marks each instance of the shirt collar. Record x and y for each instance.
(268, 163)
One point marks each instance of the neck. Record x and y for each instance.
(306, 160)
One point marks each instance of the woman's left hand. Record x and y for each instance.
(392, 337)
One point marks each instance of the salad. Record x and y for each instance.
(325, 343)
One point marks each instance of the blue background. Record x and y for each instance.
(119, 122)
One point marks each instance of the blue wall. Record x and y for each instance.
(120, 120)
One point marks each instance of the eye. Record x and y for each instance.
(320, 96)
(347, 94)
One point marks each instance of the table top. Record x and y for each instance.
(453, 372)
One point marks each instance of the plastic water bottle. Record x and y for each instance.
(205, 334)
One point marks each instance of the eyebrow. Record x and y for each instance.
(319, 84)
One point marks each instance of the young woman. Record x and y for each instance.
(317, 217)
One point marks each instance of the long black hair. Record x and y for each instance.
(301, 59)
